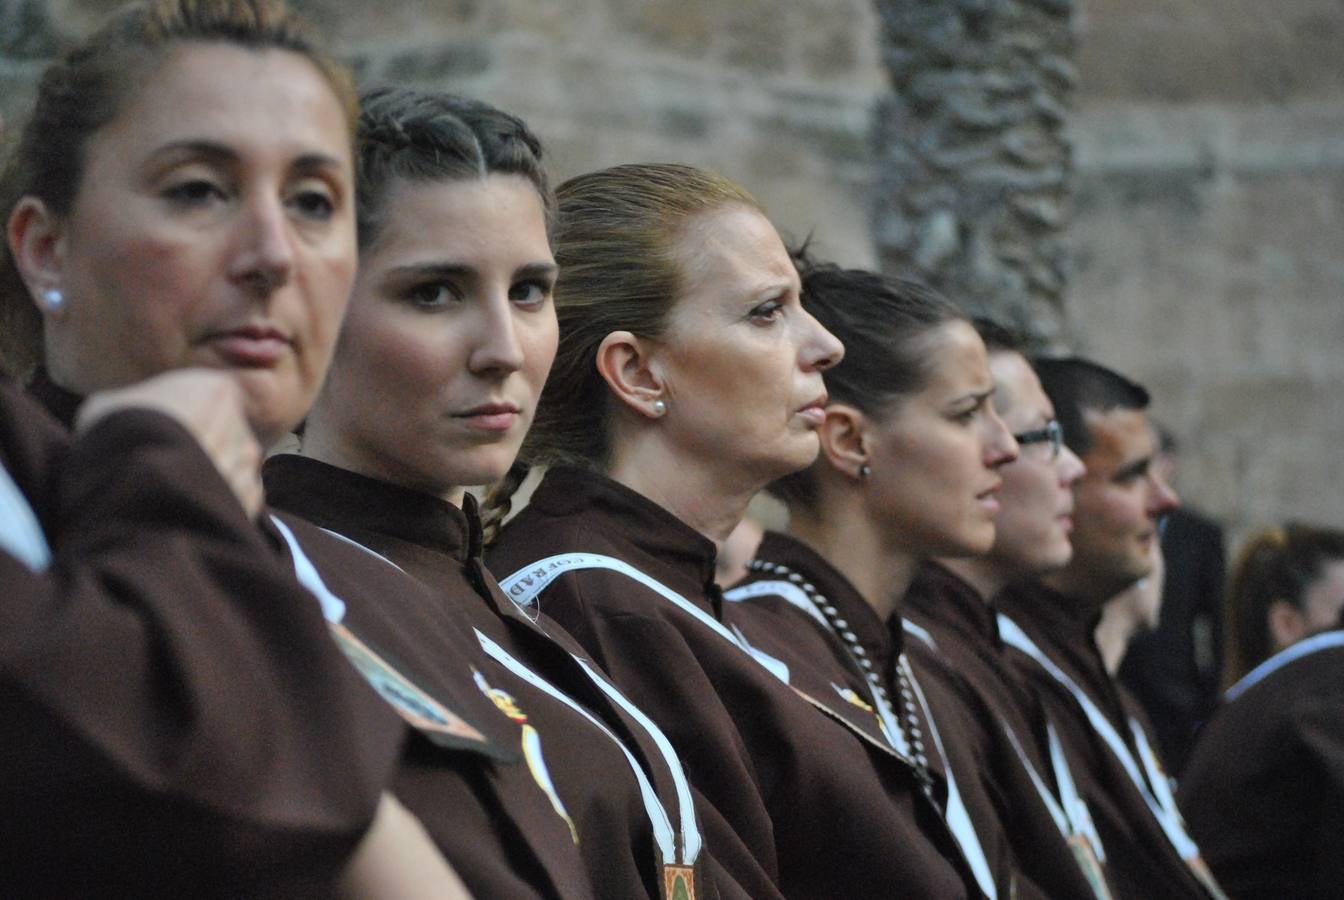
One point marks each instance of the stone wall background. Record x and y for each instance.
(1195, 241)
(1208, 238)
(974, 162)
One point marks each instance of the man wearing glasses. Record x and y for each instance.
(1050, 624)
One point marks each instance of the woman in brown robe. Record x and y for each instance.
(689, 376)
(178, 720)
(448, 342)
(912, 452)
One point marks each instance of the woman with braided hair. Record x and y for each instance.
(1263, 791)
(448, 340)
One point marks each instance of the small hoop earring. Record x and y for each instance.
(53, 299)
(864, 471)
(659, 407)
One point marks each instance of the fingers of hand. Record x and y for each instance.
(208, 404)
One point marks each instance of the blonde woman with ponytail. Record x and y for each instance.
(688, 377)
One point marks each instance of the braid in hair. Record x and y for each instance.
(499, 499)
(418, 135)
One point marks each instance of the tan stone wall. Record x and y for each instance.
(775, 95)
(1208, 238)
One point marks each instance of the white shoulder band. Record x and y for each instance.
(1304, 647)
(20, 533)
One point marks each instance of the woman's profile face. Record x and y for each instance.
(450, 336)
(214, 226)
(934, 459)
(741, 359)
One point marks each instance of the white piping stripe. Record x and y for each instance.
(540, 575)
(524, 585)
(796, 596)
(354, 543)
(20, 532)
(663, 832)
(527, 583)
(691, 830)
(333, 607)
(1323, 641)
(1062, 820)
(1079, 814)
(958, 817)
(691, 837)
(1070, 810)
(922, 633)
(785, 590)
(1167, 817)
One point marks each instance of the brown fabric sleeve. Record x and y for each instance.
(177, 717)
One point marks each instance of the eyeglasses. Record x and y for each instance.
(1051, 435)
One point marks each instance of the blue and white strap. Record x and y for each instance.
(527, 583)
(524, 586)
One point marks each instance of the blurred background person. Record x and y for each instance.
(1264, 790)
(1129, 615)
(1287, 584)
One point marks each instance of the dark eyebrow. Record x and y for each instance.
(313, 162)
(210, 150)
(1136, 469)
(216, 152)
(433, 270)
(462, 270)
(541, 270)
